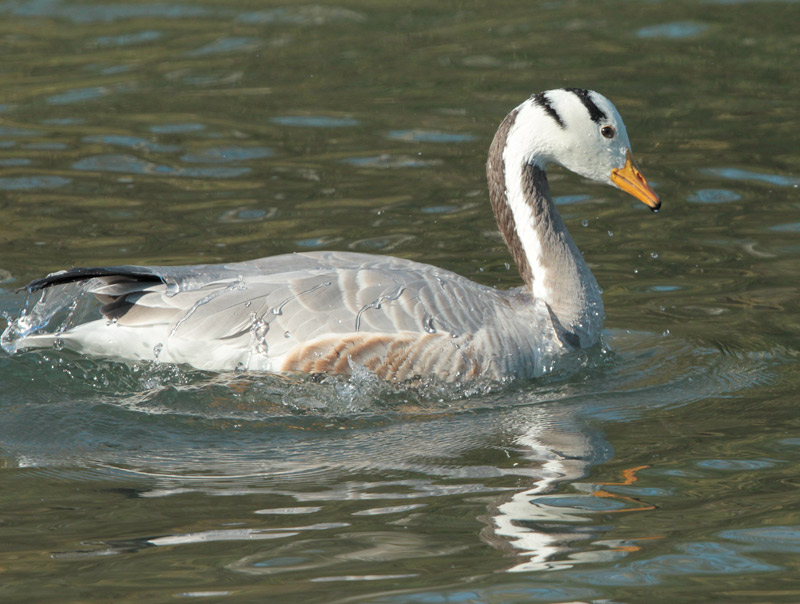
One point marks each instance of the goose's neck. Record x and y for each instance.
(548, 259)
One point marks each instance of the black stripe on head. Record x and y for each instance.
(595, 113)
(543, 102)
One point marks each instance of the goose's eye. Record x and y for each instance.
(607, 131)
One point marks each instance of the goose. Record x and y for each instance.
(330, 312)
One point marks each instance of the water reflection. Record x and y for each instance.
(545, 450)
(532, 523)
(368, 468)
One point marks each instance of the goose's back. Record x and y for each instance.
(317, 312)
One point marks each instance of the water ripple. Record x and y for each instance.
(133, 165)
(314, 121)
(241, 534)
(128, 39)
(45, 146)
(32, 182)
(343, 550)
(700, 558)
(78, 94)
(675, 30)
(735, 465)
(64, 121)
(770, 539)
(713, 196)
(227, 154)
(738, 174)
(247, 214)
(121, 163)
(223, 45)
(14, 131)
(302, 15)
(786, 228)
(179, 128)
(103, 13)
(393, 509)
(562, 200)
(131, 142)
(430, 136)
(389, 161)
(290, 511)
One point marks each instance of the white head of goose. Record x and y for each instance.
(331, 311)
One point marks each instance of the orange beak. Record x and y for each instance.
(630, 180)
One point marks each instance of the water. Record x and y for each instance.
(659, 467)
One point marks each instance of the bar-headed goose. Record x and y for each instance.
(331, 311)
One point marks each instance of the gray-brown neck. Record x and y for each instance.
(548, 259)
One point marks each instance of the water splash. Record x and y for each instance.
(37, 318)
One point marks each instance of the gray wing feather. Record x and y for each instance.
(345, 293)
(276, 306)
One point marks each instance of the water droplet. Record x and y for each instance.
(654, 255)
(248, 303)
(157, 350)
(611, 233)
(258, 334)
(286, 334)
(58, 344)
(584, 223)
(508, 266)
